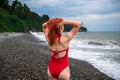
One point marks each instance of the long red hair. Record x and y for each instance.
(54, 30)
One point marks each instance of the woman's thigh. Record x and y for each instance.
(49, 75)
(65, 74)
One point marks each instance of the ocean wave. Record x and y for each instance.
(99, 44)
(38, 35)
(99, 60)
(96, 43)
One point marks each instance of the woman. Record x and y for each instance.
(58, 67)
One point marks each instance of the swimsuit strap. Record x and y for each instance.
(56, 36)
(56, 52)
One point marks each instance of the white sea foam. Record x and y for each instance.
(38, 35)
(100, 53)
(105, 65)
(95, 44)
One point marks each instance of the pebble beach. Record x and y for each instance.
(23, 57)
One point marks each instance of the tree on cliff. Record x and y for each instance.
(83, 29)
(4, 4)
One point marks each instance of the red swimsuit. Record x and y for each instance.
(56, 66)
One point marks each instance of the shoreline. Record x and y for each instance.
(21, 57)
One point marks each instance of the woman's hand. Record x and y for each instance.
(44, 26)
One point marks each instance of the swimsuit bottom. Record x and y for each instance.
(57, 65)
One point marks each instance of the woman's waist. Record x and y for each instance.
(59, 57)
(62, 59)
(59, 61)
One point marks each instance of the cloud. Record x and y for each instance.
(41, 3)
(92, 7)
(80, 7)
(72, 8)
(94, 17)
(99, 22)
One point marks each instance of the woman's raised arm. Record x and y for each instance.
(75, 24)
(44, 27)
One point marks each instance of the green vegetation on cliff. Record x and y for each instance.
(17, 17)
(82, 28)
(11, 23)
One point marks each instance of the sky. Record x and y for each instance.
(96, 15)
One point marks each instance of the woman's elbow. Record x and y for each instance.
(79, 25)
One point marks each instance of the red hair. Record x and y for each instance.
(54, 30)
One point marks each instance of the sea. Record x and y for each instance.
(101, 49)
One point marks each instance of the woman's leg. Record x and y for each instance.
(65, 74)
(49, 75)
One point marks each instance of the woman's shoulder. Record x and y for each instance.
(67, 37)
(64, 39)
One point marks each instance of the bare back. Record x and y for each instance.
(64, 44)
(64, 39)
